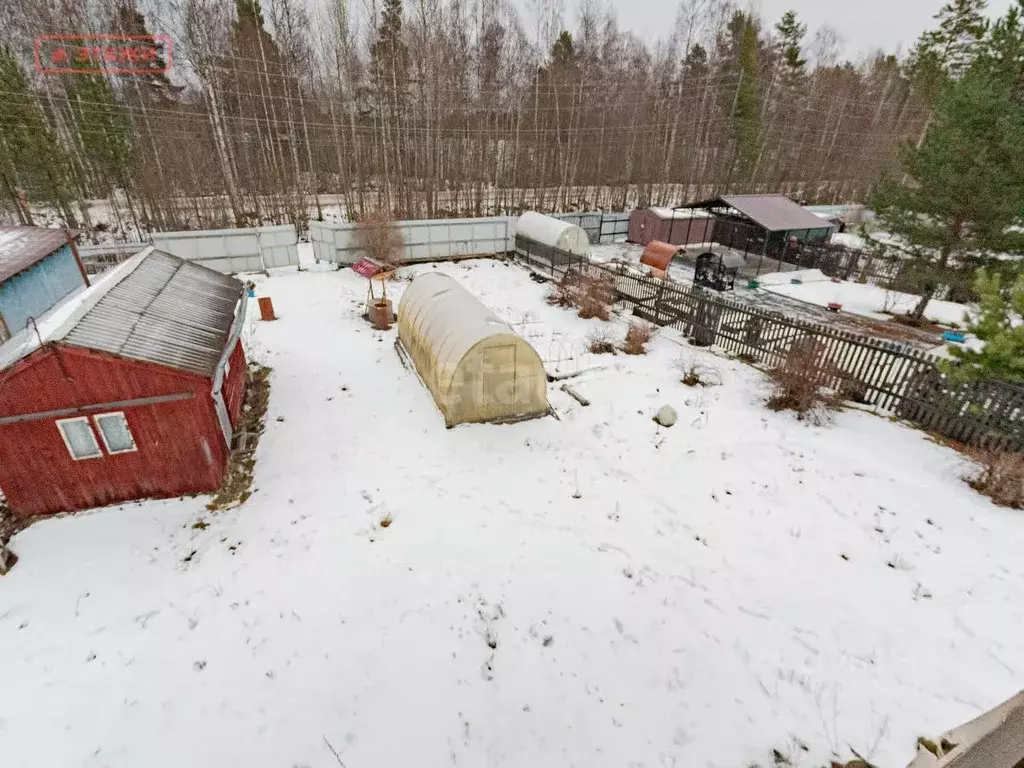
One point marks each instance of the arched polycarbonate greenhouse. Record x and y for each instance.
(477, 368)
(554, 233)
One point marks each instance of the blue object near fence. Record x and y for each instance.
(957, 336)
(252, 293)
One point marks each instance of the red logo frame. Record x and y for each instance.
(101, 45)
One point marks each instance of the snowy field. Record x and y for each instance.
(591, 590)
(860, 298)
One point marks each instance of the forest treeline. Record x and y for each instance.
(271, 112)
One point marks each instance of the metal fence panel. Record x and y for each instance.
(280, 246)
(425, 240)
(589, 222)
(98, 258)
(614, 227)
(234, 250)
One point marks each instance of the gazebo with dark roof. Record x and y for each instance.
(762, 224)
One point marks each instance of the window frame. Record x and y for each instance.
(67, 443)
(103, 436)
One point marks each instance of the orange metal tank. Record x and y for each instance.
(658, 255)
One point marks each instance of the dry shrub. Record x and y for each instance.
(591, 295)
(1001, 478)
(696, 374)
(801, 382)
(637, 336)
(600, 342)
(380, 239)
(564, 292)
(596, 297)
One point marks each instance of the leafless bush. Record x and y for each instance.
(695, 374)
(801, 382)
(380, 239)
(591, 295)
(1001, 478)
(597, 296)
(564, 293)
(600, 342)
(637, 336)
(890, 300)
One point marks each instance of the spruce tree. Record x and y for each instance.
(745, 116)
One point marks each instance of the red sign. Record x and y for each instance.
(366, 268)
(98, 54)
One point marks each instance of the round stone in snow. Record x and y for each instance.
(666, 416)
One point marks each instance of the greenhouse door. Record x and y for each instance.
(499, 380)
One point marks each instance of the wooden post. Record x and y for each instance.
(78, 259)
(266, 308)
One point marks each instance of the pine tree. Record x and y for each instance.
(389, 70)
(31, 160)
(259, 92)
(1002, 357)
(154, 87)
(1002, 55)
(950, 49)
(791, 35)
(695, 65)
(965, 183)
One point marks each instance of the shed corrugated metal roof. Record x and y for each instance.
(776, 213)
(21, 247)
(166, 311)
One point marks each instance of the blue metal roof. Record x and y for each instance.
(21, 247)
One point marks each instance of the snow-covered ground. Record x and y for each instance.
(688, 597)
(860, 298)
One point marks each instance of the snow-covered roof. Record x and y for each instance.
(682, 213)
(154, 307)
(547, 230)
(21, 247)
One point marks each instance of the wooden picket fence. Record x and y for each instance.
(904, 381)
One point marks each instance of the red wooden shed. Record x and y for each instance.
(676, 227)
(130, 389)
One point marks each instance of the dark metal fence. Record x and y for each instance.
(600, 226)
(549, 261)
(886, 374)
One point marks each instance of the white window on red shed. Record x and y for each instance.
(117, 437)
(79, 438)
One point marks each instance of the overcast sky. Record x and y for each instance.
(865, 25)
